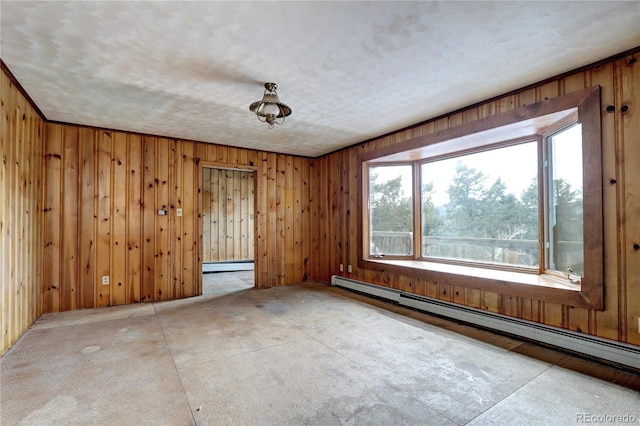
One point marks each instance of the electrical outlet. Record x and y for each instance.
(349, 269)
(341, 267)
(105, 280)
(179, 212)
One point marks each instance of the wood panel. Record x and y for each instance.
(114, 183)
(261, 260)
(620, 87)
(245, 243)
(270, 232)
(90, 209)
(207, 219)
(190, 276)
(177, 231)
(280, 234)
(118, 267)
(69, 208)
(22, 239)
(87, 208)
(629, 135)
(287, 219)
(103, 194)
(318, 260)
(227, 215)
(217, 238)
(148, 225)
(306, 202)
(133, 281)
(279, 200)
(162, 251)
(52, 216)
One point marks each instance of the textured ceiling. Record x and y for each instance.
(350, 71)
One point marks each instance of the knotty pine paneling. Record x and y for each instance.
(279, 225)
(97, 213)
(227, 215)
(338, 178)
(21, 217)
(628, 121)
(102, 195)
(96, 224)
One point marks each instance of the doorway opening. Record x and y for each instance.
(228, 230)
(219, 283)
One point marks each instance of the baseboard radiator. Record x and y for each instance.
(620, 353)
(228, 266)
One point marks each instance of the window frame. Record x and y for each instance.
(368, 215)
(547, 203)
(484, 148)
(543, 286)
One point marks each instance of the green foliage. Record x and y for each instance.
(529, 201)
(390, 211)
(568, 212)
(466, 211)
(479, 209)
(476, 208)
(431, 221)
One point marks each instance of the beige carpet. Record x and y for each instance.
(303, 354)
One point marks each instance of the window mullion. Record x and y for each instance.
(366, 217)
(542, 202)
(417, 212)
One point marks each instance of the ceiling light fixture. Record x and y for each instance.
(270, 109)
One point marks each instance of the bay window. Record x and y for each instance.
(511, 203)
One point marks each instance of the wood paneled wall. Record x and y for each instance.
(284, 211)
(81, 203)
(338, 180)
(21, 224)
(227, 215)
(102, 196)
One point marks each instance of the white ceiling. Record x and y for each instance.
(350, 71)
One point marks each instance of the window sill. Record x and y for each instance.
(540, 287)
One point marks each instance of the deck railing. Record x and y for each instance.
(486, 250)
(489, 250)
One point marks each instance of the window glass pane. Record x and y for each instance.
(482, 207)
(391, 207)
(565, 224)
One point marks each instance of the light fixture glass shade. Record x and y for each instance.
(269, 109)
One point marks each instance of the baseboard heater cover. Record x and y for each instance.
(230, 266)
(620, 353)
(362, 287)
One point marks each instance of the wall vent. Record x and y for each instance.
(620, 353)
